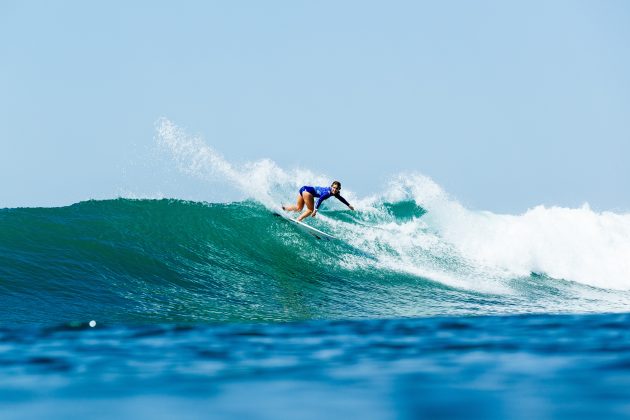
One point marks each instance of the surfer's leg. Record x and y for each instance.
(298, 207)
(310, 205)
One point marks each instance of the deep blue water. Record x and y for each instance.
(528, 366)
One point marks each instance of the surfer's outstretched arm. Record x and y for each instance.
(344, 201)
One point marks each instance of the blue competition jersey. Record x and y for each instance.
(323, 193)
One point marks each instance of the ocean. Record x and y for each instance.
(178, 309)
(422, 308)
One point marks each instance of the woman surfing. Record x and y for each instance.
(307, 196)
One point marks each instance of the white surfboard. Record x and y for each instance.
(308, 229)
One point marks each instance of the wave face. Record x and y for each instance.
(141, 260)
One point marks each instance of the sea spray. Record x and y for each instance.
(451, 244)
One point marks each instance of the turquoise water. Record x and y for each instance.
(151, 261)
(224, 307)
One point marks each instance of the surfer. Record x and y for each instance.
(307, 194)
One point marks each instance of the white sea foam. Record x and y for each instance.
(450, 244)
(579, 244)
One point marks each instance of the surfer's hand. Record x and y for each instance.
(351, 208)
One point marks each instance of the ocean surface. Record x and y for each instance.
(177, 309)
(422, 308)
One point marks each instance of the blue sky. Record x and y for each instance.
(506, 105)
